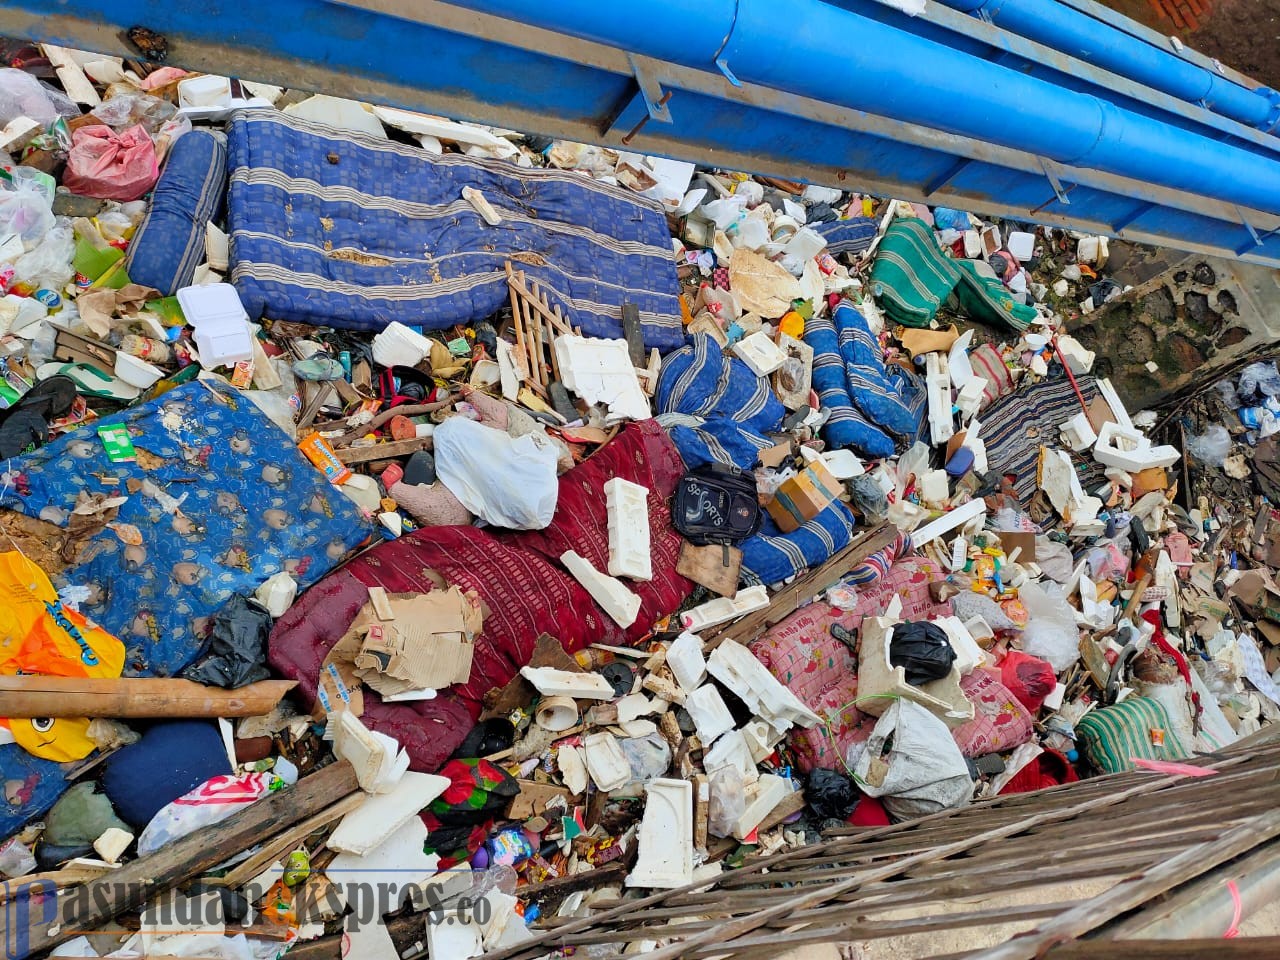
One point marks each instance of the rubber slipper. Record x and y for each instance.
(91, 381)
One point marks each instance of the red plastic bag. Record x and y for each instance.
(1028, 678)
(109, 165)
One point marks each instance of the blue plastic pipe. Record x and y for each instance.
(1076, 34)
(837, 56)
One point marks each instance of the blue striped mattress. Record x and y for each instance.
(336, 228)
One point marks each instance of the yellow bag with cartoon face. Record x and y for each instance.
(38, 635)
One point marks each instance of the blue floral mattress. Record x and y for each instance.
(218, 500)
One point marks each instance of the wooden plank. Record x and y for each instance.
(246, 870)
(383, 451)
(705, 566)
(149, 876)
(134, 697)
(1242, 948)
(788, 600)
(1134, 891)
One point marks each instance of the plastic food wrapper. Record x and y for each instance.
(1210, 447)
(211, 802)
(236, 652)
(110, 165)
(912, 764)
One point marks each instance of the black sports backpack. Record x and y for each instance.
(716, 504)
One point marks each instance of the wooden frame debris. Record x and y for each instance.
(537, 323)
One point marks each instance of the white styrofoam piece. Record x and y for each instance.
(372, 941)
(629, 545)
(112, 843)
(606, 762)
(464, 134)
(972, 244)
(1061, 483)
(725, 608)
(378, 759)
(686, 661)
(505, 926)
(710, 715)
(382, 814)
(760, 738)
(959, 367)
(1129, 449)
(938, 382)
(573, 767)
(806, 243)
(738, 669)
(221, 325)
(731, 750)
(551, 682)
(1078, 434)
(398, 860)
(338, 112)
(762, 796)
(633, 706)
(969, 655)
(399, 346)
(1021, 245)
(666, 836)
(610, 592)
(1118, 409)
(934, 486)
(843, 464)
(880, 683)
(952, 520)
(454, 936)
(969, 399)
(751, 233)
(1079, 360)
(600, 371)
(759, 353)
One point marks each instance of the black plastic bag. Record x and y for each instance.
(235, 655)
(831, 795)
(923, 650)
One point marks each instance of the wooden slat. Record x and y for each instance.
(149, 876)
(134, 697)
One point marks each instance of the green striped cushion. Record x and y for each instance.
(1113, 737)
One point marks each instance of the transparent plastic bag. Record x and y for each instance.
(129, 107)
(25, 212)
(728, 800)
(1212, 446)
(22, 95)
(1259, 378)
(1051, 633)
(49, 264)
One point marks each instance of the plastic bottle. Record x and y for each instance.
(145, 348)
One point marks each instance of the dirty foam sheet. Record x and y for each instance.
(337, 228)
(218, 500)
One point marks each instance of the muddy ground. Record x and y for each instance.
(1244, 34)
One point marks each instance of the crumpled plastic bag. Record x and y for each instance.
(507, 482)
(830, 794)
(1051, 632)
(110, 165)
(728, 800)
(922, 650)
(648, 756)
(1261, 378)
(912, 764)
(1212, 446)
(236, 653)
(27, 213)
(1028, 678)
(22, 95)
(211, 802)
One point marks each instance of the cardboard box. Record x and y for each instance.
(1013, 539)
(1259, 593)
(803, 497)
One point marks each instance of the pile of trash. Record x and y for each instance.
(401, 515)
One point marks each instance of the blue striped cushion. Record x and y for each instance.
(337, 228)
(169, 244)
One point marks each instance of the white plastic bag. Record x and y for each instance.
(508, 483)
(25, 213)
(212, 801)
(1051, 633)
(912, 763)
